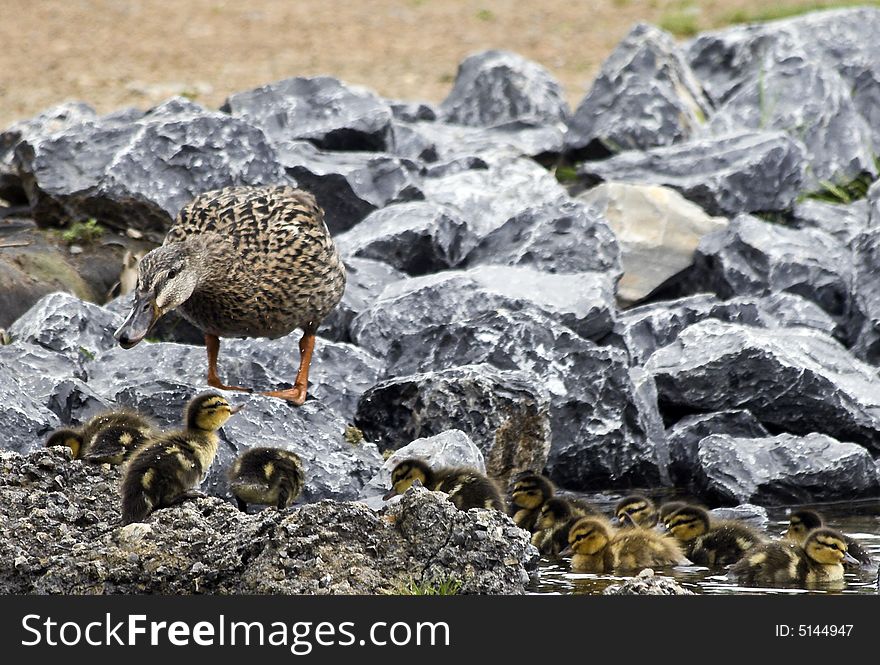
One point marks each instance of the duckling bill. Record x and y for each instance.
(266, 476)
(167, 468)
(242, 262)
(467, 488)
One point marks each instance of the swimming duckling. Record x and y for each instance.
(597, 548)
(801, 522)
(819, 560)
(166, 469)
(109, 437)
(556, 517)
(467, 488)
(636, 510)
(711, 543)
(528, 492)
(266, 476)
(666, 509)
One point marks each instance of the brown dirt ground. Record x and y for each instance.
(114, 53)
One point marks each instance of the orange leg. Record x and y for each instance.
(297, 394)
(212, 343)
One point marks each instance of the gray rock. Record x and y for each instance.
(684, 439)
(38, 369)
(498, 87)
(726, 175)
(555, 237)
(350, 185)
(42, 125)
(643, 330)
(813, 103)
(452, 448)
(25, 421)
(583, 302)
(140, 173)
(477, 399)
(864, 323)
(646, 583)
(785, 469)
(331, 114)
(644, 96)
(418, 238)
(67, 325)
(746, 512)
(795, 379)
(59, 533)
(365, 280)
(843, 222)
(74, 402)
(408, 111)
(754, 257)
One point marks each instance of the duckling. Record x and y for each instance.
(595, 547)
(636, 510)
(267, 476)
(242, 262)
(528, 492)
(819, 560)
(666, 509)
(165, 470)
(554, 520)
(109, 437)
(801, 522)
(467, 488)
(711, 543)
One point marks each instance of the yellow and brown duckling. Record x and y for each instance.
(242, 262)
(708, 542)
(801, 522)
(109, 437)
(596, 547)
(266, 476)
(467, 488)
(556, 517)
(167, 468)
(666, 509)
(636, 510)
(528, 492)
(819, 560)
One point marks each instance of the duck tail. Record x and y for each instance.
(136, 505)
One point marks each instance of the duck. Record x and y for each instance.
(528, 492)
(779, 563)
(636, 510)
(467, 488)
(166, 469)
(708, 542)
(107, 438)
(554, 520)
(801, 522)
(242, 262)
(596, 547)
(266, 476)
(667, 508)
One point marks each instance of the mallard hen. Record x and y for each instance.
(242, 262)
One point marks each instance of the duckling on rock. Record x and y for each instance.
(242, 262)
(556, 517)
(528, 492)
(266, 476)
(636, 510)
(801, 522)
(777, 563)
(167, 468)
(467, 488)
(595, 547)
(109, 437)
(708, 542)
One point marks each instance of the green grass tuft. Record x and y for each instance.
(447, 587)
(82, 232)
(565, 173)
(681, 23)
(845, 193)
(486, 15)
(773, 12)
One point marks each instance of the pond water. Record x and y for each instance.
(860, 520)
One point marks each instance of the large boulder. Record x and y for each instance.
(864, 324)
(477, 399)
(794, 379)
(495, 88)
(140, 173)
(842, 221)
(657, 230)
(321, 109)
(558, 236)
(785, 469)
(25, 420)
(645, 95)
(725, 175)
(60, 534)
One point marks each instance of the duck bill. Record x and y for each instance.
(389, 494)
(235, 409)
(566, 552)
(140, 320)
(849, 558)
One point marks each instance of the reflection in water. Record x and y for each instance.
(861, 520)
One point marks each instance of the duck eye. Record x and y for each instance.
(172, 273)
